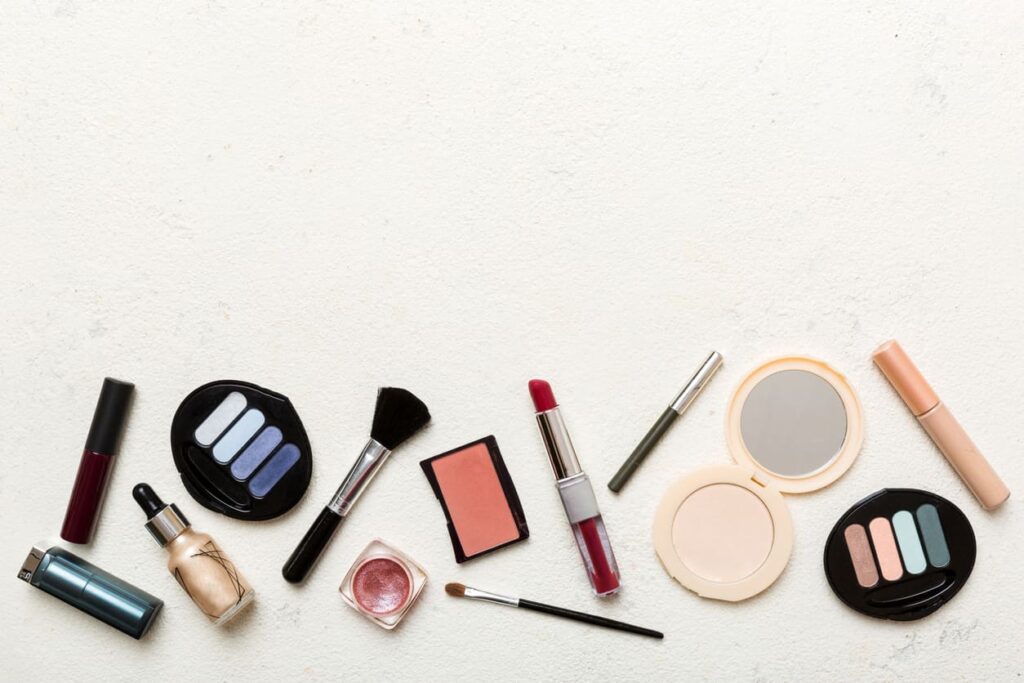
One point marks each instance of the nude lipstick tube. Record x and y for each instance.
(941, 426)
(576, 492)
(97, 461)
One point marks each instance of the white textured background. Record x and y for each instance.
(322, 197)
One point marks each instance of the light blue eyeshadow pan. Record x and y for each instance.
(934, 537)
(274, 470)
(255, 453)
(238, 435)
(909, 542)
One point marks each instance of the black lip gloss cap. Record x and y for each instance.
(110, 416)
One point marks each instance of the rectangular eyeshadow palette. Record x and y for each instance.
(242, 448)
(478, 498)
(900, 554)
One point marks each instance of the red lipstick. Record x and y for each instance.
(576, 492)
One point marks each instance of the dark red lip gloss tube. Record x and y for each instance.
(97, 461)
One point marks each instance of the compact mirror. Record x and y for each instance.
(796, 421)
(793, 423)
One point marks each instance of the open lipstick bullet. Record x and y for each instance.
(577, 493)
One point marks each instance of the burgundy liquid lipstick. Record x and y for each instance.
(97, 461)
(577, 494)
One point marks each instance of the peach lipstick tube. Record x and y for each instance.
(941, 426)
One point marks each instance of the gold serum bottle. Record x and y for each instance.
(205, 572)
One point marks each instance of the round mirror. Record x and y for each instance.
(793, 423)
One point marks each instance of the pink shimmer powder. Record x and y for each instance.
(381, 586)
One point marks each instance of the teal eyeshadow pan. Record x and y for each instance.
(934, 538)
(909, 542)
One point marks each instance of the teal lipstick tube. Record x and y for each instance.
(90, 589)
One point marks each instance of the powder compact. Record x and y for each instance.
(383, 584)
(241, 450)
(900, 554)
(793, 425)
(478, 498)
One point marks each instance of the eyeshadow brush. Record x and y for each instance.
(459, 590)
(398, 415)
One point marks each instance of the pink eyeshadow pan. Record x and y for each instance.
(381, 586)
(885, 548)
(861, 556)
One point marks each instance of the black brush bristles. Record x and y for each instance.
(398, 416)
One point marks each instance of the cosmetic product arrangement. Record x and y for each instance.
(900, 554)
(457, 590)
(941, 426)
(241, 450)
(793, 425)
(97, 461)
(675, 410)
(478, 498)
(397, 416)
(576, 492)
(86, 587)
(383, 584)
(195, 560)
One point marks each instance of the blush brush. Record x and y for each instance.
(459, 590)
(398, 415)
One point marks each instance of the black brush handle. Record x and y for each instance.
(589, 618)
(308, 551)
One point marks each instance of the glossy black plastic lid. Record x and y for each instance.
(241, 450)
(900, 554)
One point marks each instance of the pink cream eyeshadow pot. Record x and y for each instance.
(381, 586)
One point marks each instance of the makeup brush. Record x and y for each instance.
(398, 416)
(458, 590)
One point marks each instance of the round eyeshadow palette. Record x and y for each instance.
(900, 554)
(241, 450)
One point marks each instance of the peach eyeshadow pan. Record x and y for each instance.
(478, 498)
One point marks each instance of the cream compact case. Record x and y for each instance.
(793, 425)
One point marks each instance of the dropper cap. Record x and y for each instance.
(166, 522)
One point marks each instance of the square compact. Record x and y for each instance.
(478, 498)
(383, 584)
(241, 450)
(793, 425)
(900, 554)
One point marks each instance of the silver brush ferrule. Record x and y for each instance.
(373, 456)
(477, 594)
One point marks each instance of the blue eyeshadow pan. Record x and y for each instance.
(274, 470)
(256, 452)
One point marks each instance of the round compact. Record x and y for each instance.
(900, 554)
(793, 425)
(241, 450)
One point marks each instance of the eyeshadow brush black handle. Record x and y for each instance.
(588, 618)
(309, 549)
